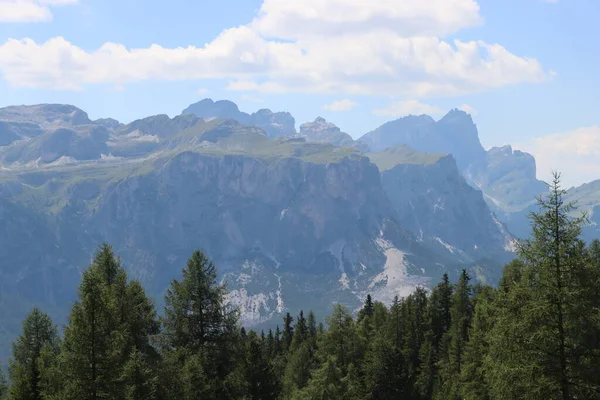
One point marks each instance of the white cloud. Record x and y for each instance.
(340, 105)
(468, 109)
(59, 2)
(575, 154)
(251, 99)
(408, 107)
(29, 10)
(202, 91)
(395, 49)
(290, 19)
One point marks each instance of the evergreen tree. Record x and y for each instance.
(298, 370)
(24, 368)
(438, 320)
(110, 320)
(341, 340)
(538, 346)
(458, 336)
(141, 381)
(261, 382)
(88, 356)
(327, 383)
(202, 331)
(3, 385)
(288, 331)
(473, 374)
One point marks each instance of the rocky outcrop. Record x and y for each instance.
(321, 131)
(276, 124)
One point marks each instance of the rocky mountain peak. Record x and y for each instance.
(48, 116)
(322, 131)
(275, 124)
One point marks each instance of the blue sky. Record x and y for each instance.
(526, 69)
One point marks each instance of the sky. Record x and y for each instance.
(526, 70)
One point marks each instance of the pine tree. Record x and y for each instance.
(3, 385)
(537, 346)
(202, 330)
(341, 339)
(473, 374)
(288, 331)
(140, 380)
(438, 321)
(458, 336)
(298, 370)
(24, 368)
(326, 383)
(261, 381)
(111, 319)
(88, 357)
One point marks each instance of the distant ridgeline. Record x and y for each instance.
(534, 336)
(295, 219)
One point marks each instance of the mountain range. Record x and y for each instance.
(290, 218)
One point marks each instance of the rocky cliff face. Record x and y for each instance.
(289, 222)
(507, 177)
(454, 134)
(277, 230)
(434, 201)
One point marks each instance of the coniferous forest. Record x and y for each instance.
(534, 336)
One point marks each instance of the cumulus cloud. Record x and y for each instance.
(29, 10)
(575, 154)
(468, 109)
(289, 19)
(386, 47)
(340, 105)
(408, 107)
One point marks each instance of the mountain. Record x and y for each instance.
(274, 124)
(506, 177)
(325, 132)
(46, 115)
(587, 197)
(433, 199)
(285, 219)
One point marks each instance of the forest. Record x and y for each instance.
(534, 336)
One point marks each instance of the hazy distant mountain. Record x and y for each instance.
(274, 124)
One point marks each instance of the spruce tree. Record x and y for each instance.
(24, 367)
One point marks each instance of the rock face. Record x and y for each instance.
(454, 134)
(434, 201)
(321, 131)
(289, 222)
(507, 177)
(276, 124)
